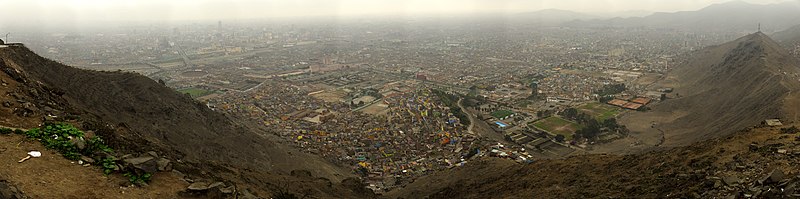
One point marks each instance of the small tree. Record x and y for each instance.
(560, 138)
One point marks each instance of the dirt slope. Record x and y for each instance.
(724, 88)
(136, 114)
(728, 167)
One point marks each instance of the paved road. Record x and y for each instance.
(481, 128)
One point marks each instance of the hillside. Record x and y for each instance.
(788, 37)
(721, 89)
(136, 114)
(734, 16)
(757, 163)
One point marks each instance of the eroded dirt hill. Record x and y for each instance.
(722, 89)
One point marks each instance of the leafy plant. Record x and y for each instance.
(97, 144)
(61, 137)
(138, 179)
(58, 136)
(109, 165)
(4, 131)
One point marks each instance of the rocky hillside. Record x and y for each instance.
(722, 89)
(136, 114)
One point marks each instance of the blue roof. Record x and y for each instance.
(501, 124)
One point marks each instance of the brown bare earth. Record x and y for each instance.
(52, 176)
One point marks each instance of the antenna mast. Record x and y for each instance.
(759, 27)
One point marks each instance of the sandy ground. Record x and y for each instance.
(52, 176)
(379, 108)
(645, 133)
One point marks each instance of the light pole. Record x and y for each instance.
(7, 37)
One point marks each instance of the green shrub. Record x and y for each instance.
(5, 131)
(96, 144)
(109, 165)
(138, 179)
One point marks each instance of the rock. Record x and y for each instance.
(731, 180)
(782, 151)
(198, 186)
(754, 147)
(245, 194)
(301, 173)
(717, 184)
(733, 195)
(87, 159)
(146, 163)
(78, 142)
(164, 164)
(227, 190)
(9, 192)
(126, 156)
(153, 154)
(215, 185)
(6, 104)
(790, 188)
(774, 176)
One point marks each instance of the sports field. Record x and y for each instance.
(556, 125)
(599, 111)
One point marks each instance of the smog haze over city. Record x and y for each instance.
(399, 99)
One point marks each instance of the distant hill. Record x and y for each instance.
(730, 16)
(788, 36)
(550, 17)
(722, 89)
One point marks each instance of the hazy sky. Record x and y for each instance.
(83, 11)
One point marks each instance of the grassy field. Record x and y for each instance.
(195, 92)
(501, 113)
(556, 125)
(600, 111)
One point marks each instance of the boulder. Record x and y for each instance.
(245, 194)
(164, 164)
(198, 186)
(145, 163)
(731, 180)
(87, 159)
(774, 176)
(78, 142)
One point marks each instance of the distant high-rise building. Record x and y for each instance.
(219, 25)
